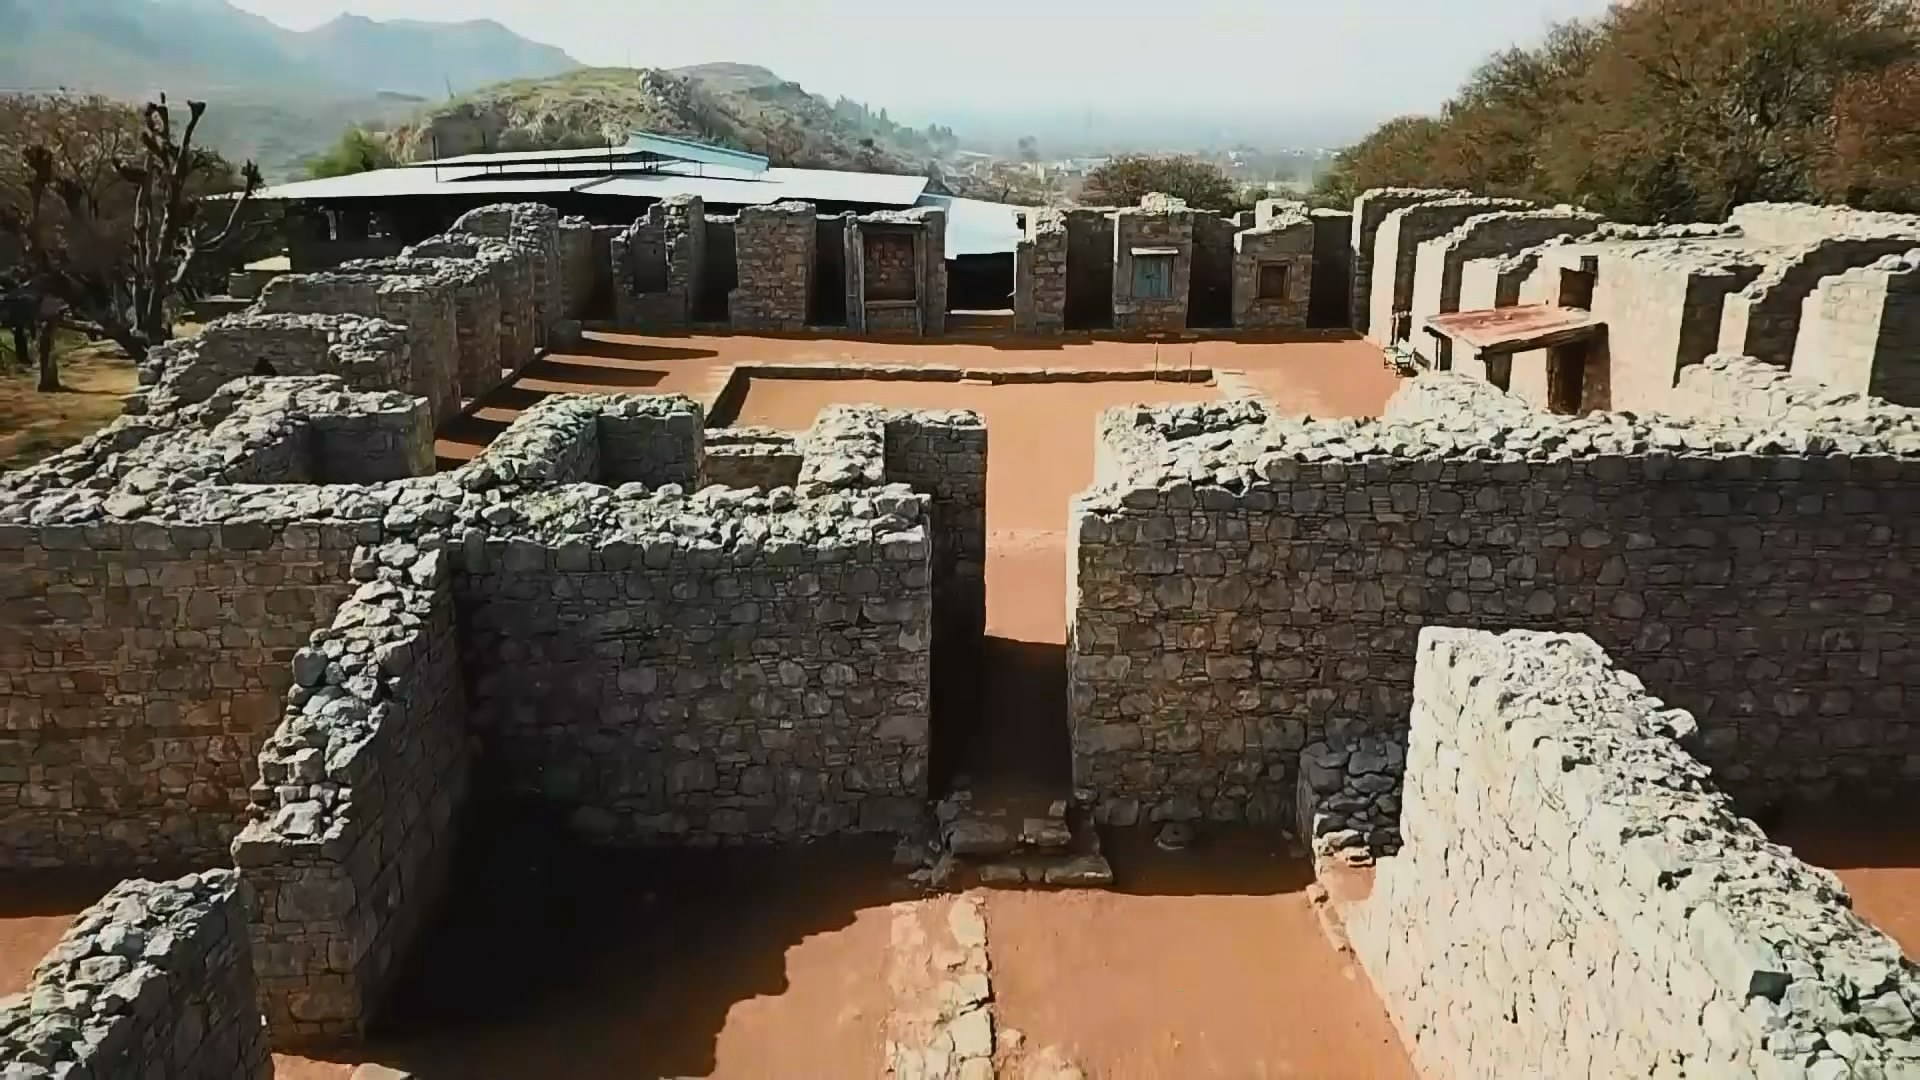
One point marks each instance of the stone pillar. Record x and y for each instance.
(775, 247)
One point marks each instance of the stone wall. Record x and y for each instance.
(1661, 298)
(1243, 585)
(368, 354)
(1396, 253)
(351, 828)
(424, 306)
(943, 455)
(154, 980)
(1041, 275)
(1858, 330)
(774, 247)
(659, 264)
(1369, 211)
(1763, 319)
(1332, 268)
(1797, 224)
(1285, 242)
(512, 270)
(1575, 897)
(476, 314)
(1740, 387)
(750, 457)
(726, 666)
(149, 613)
(533, 229)
(1440, 264)
(1158, 223)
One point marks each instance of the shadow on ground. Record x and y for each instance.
(552, 958)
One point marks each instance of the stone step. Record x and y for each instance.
(1014, 842)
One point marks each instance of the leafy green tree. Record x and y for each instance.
(357, 151)
(1126, 179)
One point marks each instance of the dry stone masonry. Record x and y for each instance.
(1858, 328)
(774, 258)
(154, 980)
(1575, 896)
(1243, 585)
(369, 354)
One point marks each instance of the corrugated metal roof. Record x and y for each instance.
(975, 227)
(806, 185)
(688, 150)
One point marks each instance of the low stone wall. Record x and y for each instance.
(1762, 320)
(751, 457)
(1243, 585)
(476, 314)
(726, 666)
(154, 980)
(1858, 328)
(1575, 897)
(1736, 387)
(512, 271)
(423, 305)
(368, 354)
(533, 229)
(775, 256)
(144, 645)
(351, 828)
(1794, 224)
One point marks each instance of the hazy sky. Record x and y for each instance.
(1377, 57)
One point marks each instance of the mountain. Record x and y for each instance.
(131, 48)
(737, 105)
(276, 95)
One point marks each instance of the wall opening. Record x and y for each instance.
(892, 274)
(1576, 288)
(827, 306)
(1152, 276)
(1566, 378)
(1089, 272)
(1210, 288)
(1274, 283)
(719, 272)
(980, 282)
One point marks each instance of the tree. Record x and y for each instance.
(357, 151)
(1675, 110)
(1124, 180)
(110, 255)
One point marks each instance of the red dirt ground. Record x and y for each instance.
(1324, 374)
(1205, 963)
(1876, 851)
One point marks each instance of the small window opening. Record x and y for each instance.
(1274, 283)
(1153, 277)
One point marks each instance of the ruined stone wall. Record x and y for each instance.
(943, 455)
(1369, 211)
(1221, 624)
(750, 457)
(1575, 897)
(368, 354)
(349, 838)
(1662, 301)
(1440, 264)
(1283, 241)
(1158, 223)
(1859, 329)
(1797, 224)
(1332, 268)
(476, 314)
(1041, 275)
(1090, 268)
(154, 980)
(728, 666)
(512, 270)
(424, 306)
(775, 256)
(149, 611)
(1396, 253)
(534, 230)
(1763, 319)
(659, 265)
(1737, 387)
